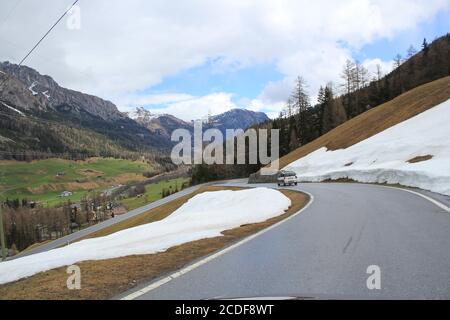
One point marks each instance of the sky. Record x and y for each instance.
(194, 57)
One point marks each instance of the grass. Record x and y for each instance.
(106, 278)
(153, 192)
(38, 180)
(377, 119)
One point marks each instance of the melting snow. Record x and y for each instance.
(383, 158)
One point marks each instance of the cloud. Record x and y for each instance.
(126, 47)
(184, 106)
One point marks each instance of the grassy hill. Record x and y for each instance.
(43, 180)
(377, 119)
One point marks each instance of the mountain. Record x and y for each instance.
(237, 119)
(165, 124)
(39, 115)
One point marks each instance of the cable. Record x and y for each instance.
(40, 40)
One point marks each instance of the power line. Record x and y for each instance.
(45, 35)
(40, 40)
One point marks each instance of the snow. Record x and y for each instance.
(142, 113)
(34, 84)
(13, 109)
(46, 94)
(383, 158)
(203, 216)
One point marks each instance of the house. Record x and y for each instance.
(65, 194)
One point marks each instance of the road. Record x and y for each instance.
(324, 252)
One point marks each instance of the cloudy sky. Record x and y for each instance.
(190, 57)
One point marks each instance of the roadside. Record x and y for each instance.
(106, 278)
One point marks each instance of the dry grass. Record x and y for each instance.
(377, 119)
(106, 278)
(420, 158)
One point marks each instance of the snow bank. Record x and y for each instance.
(204, 216)
(383, 157)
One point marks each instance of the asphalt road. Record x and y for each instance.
(324, 251)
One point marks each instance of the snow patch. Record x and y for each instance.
(13, 109)
(45, 93)
(34, 84)
(204, 216)
(383, 158)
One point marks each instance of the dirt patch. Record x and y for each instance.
(49, 187)
(420, 158)
(106, 278)
(91, 173)
(81, 185)
(348, 164)
(127, 178)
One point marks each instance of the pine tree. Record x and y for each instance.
(425, 46)
(300, 100)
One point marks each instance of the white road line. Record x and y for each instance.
(191, 267)
(437, 203)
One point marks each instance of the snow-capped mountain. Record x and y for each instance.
(164, 124)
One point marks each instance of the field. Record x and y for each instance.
(153, 192)
(44, 180)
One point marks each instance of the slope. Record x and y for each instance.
(377, 119)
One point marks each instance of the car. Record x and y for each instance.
(287, 178)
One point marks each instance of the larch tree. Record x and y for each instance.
(301, 103)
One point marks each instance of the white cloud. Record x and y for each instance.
(371, 65)
(184, 106)
(124, 47)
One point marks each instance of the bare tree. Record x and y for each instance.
(411, 51)
(398, 60)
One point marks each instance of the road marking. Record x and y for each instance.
(437, 203)
(193, 266)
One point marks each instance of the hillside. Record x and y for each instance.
(165, 124)
(377, 119)
(414, 153)
(38, 115)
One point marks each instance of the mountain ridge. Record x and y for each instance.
(37, 115)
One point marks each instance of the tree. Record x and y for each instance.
(300, 100)
(398, 60)
(348, 75)
(333, 112)
(411, 51)
(425, 46)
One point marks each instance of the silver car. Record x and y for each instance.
(287, 178)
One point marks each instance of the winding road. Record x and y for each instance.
(325, 250)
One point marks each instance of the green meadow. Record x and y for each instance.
(44, 180)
